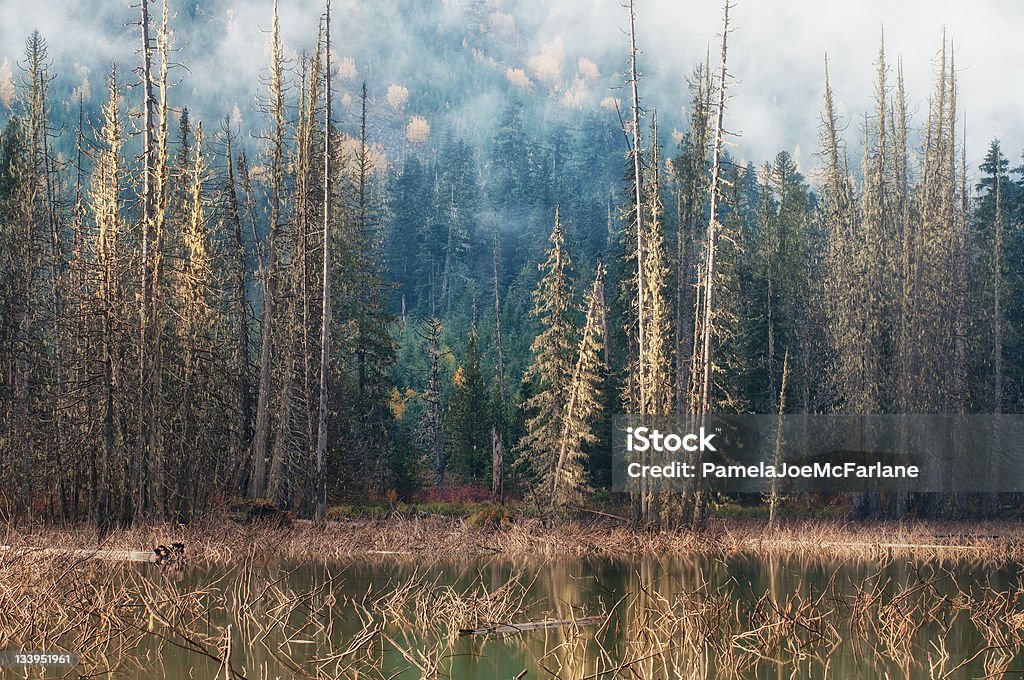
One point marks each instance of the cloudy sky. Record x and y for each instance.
(776, 55)
(776, 52)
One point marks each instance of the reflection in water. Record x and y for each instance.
(738, 616)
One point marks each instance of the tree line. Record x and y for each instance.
(185, 323)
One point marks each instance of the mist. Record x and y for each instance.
(569, 54)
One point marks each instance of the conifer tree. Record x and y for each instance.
(433, 429)
(553, 363)
(569, 480)
(363, 291)
(469, 429)
(656, 356)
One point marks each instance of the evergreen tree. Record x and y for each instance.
(553, 363)
(569, 481)
(469, 420)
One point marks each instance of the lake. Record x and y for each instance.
(732, 616)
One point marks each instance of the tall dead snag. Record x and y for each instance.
(146, 366)
(638, 214)
(497, 444)
(146, 478)
(241, 429)
(147, 467)
(261, 431)
(854, 286)
(295, 431)
(773, 496)
(31, 266)
(39, 206)
(901, 209)
(691, 197)
(325, 325)
(708, 297)
(704, 359)
(938, 317)
(196, 321)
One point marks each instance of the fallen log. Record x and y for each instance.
(159, 555)
(533, 625)
(108, 555)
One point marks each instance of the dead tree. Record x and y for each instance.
(325, 325)
(638, 203)
(261, 432)
(704, 363)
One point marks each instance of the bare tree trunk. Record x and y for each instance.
(325, 325)
(606, 341)
(497, 466)
(241, 432)
(708, 316)
(303, 163)
(773, 497)
(707, 330)
(641, 403)
(146, 407)
(990, 501)
(497, 445)
(261, 433)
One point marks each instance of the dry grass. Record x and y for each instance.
(218, 539)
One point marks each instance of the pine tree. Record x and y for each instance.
(433, 426)
(569, 480)
(364, 290)
(553, 364)
(469, 420)
(656, 356)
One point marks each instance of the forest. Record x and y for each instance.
(346, 294)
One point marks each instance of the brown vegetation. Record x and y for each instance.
(222, 540)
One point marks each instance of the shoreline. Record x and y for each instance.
(219, 540)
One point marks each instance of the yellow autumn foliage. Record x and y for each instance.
(398, 400)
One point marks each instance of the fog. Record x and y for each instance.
(572, 52)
